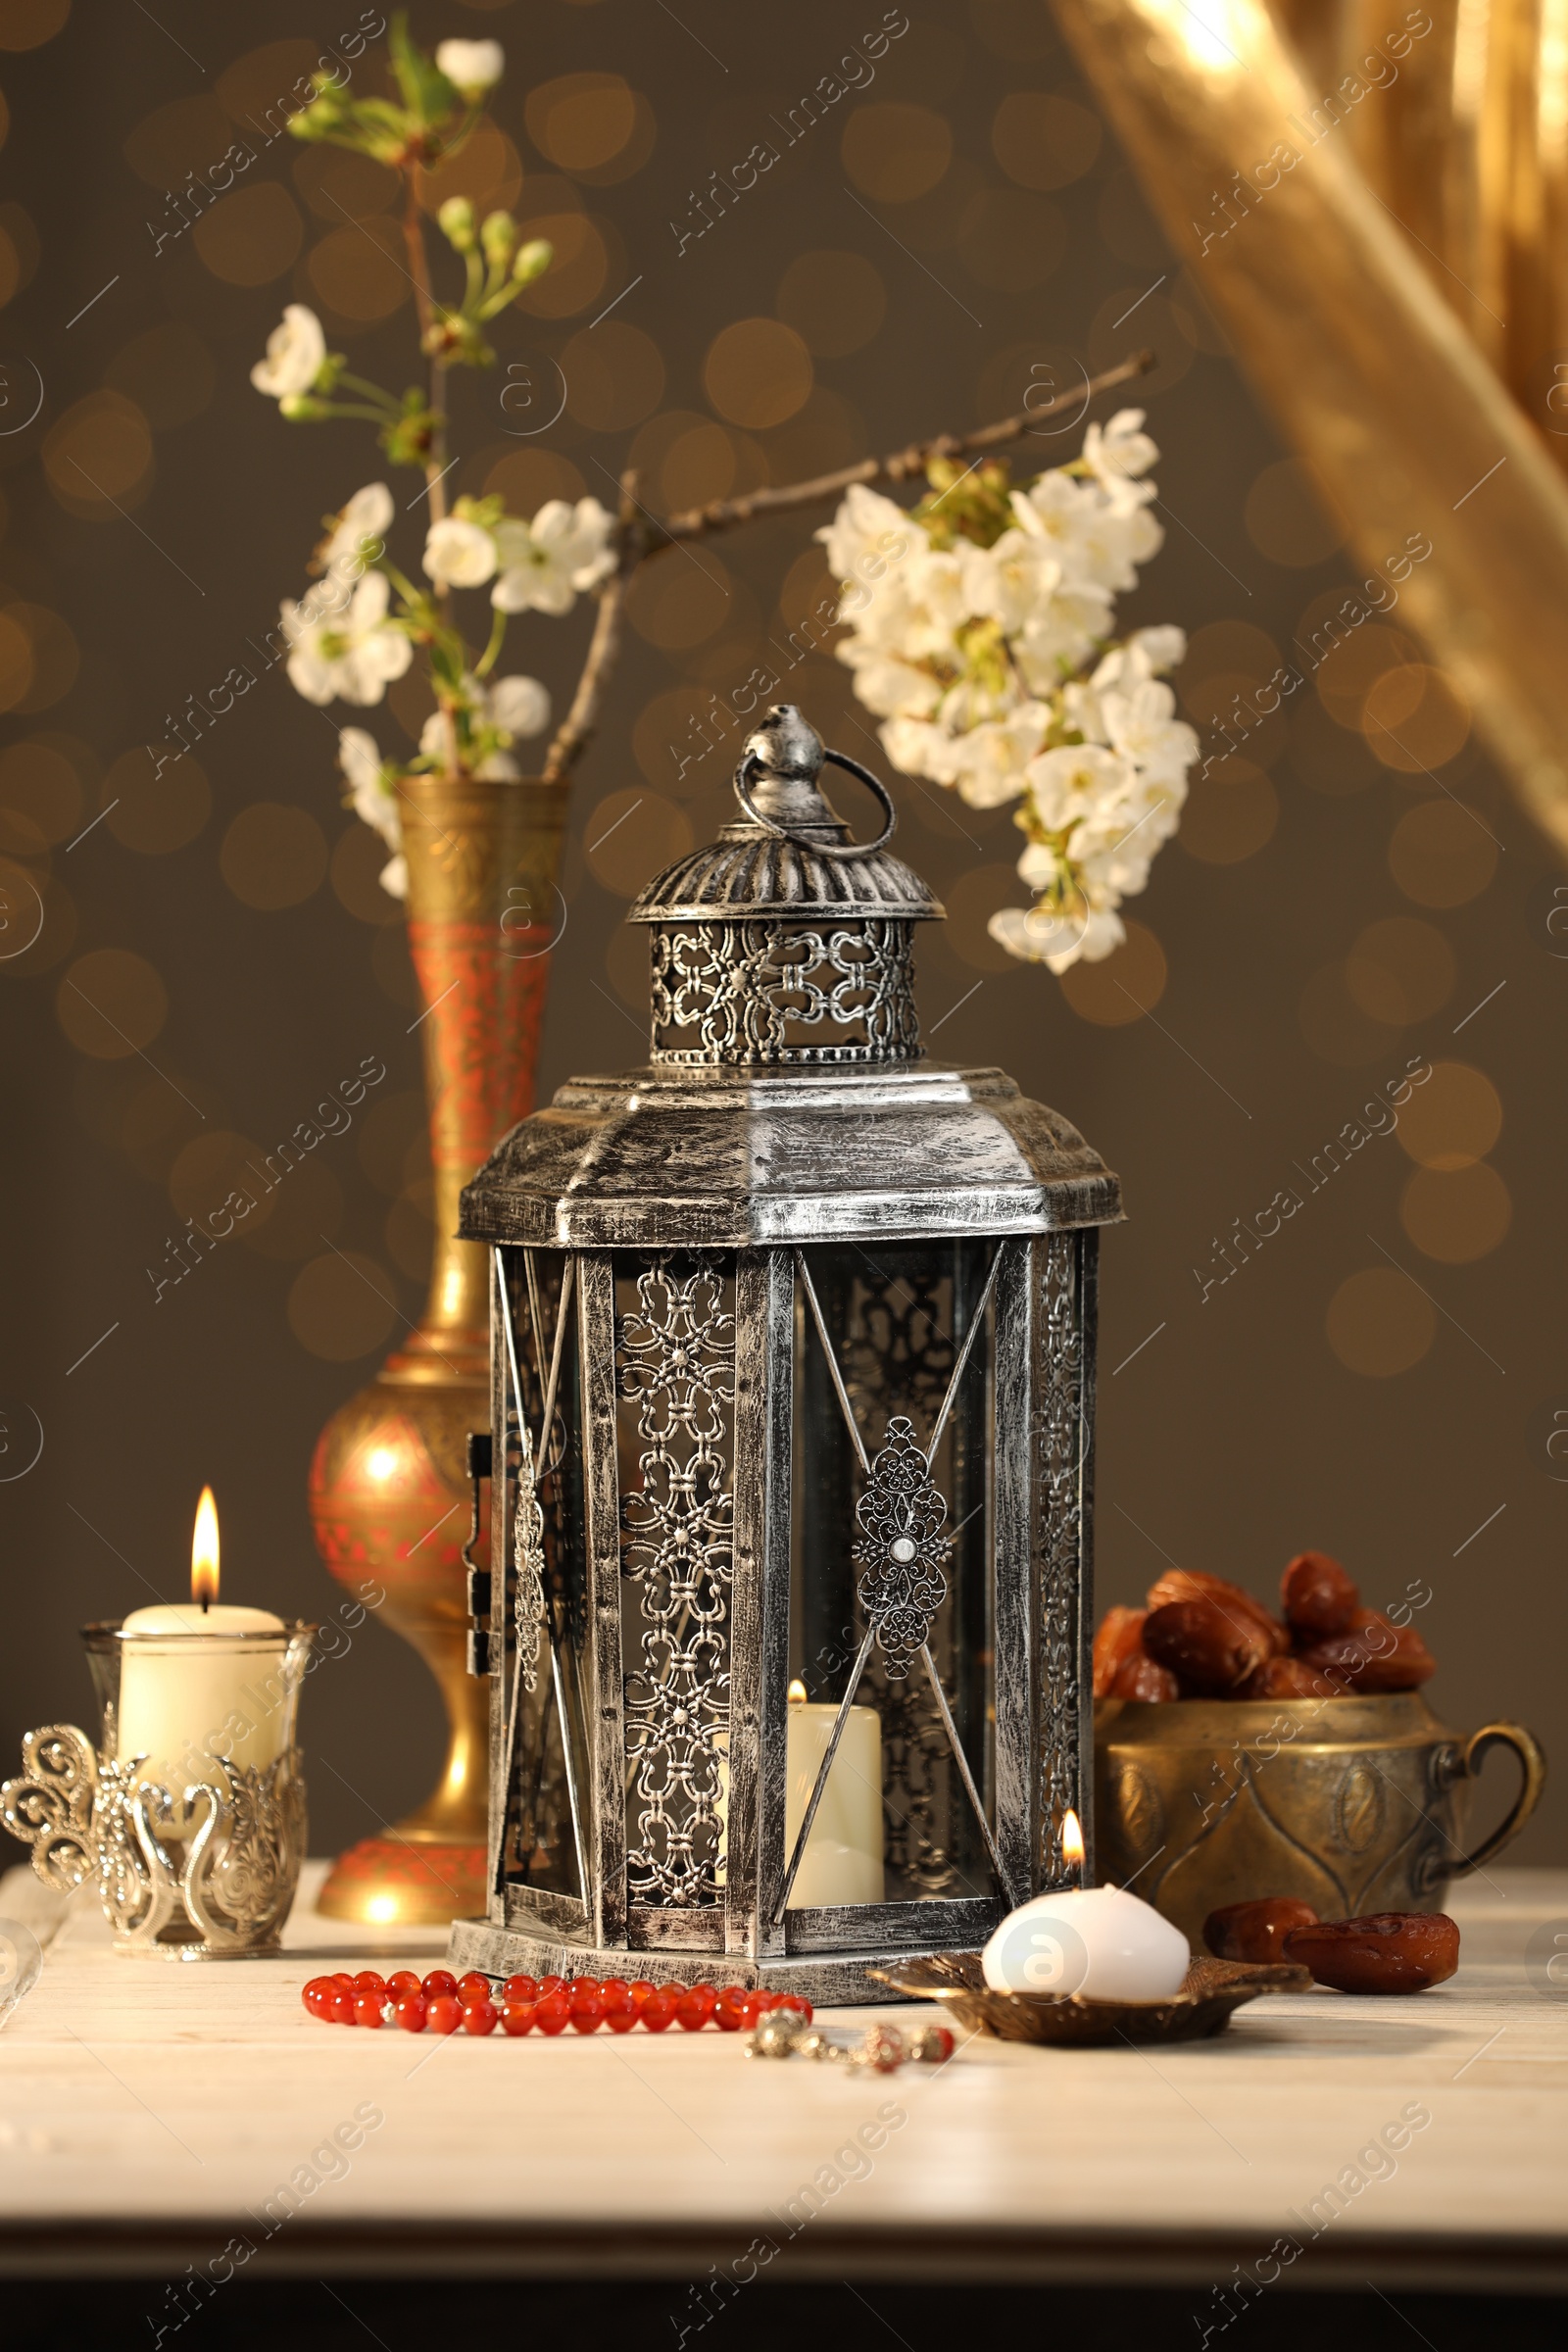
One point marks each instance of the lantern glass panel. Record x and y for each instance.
(549, 1778)
(897, 1317)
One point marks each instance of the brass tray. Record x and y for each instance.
(1210, 1991)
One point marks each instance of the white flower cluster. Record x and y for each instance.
(296, 349)
(347, 640)
(509, 708)
(993, 668)
(471, 67)
(373, 795)
(344, 647)
(539, 567)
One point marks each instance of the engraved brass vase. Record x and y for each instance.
(389, 1487)
(1352, 1805)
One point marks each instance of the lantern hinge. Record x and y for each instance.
(480, 1458)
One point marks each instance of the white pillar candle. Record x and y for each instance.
(843, 1858)
(189, 1690)
(1097, 1940)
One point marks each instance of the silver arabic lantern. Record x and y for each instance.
(792, 1342)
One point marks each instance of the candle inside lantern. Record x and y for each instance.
(188, 1691)
(1097, 1940)
(843, 1858)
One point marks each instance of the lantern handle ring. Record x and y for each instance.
(747, 771)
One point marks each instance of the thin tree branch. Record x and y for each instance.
(435, 464)
(723, 514)
(424, 308)
(641, 535)
(577, 729)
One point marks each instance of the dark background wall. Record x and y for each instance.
(1378, 1380)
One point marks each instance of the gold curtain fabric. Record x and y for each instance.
(1374, 198)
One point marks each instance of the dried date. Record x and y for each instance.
(1391, 1951)
(1317, 1597)
(1118, 1643)
(1195, 1583)
(1143, 1676)
(1374, 1655)
(1209, 1647)
(1291, 1678)
(1256, 1931)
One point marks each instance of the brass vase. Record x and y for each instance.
(388, 1486)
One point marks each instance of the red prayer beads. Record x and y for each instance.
(552, 2011)
(441, 2003)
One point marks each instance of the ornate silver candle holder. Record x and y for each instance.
(198, 1864)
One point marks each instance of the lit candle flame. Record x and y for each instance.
(797, 1695)
(1072, 1840)
(204, 1552)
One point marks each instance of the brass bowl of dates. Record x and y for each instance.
(1210, 1992)
(1239, 1755)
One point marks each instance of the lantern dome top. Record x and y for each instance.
(787, 1098)
(789, 854)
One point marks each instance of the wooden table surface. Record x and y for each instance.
(150, 2114)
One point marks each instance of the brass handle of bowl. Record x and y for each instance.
(1531, 1763)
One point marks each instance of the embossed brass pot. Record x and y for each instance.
(1351, 1804)
(389, 1486)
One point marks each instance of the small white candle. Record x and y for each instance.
(843, 1858)
(184, 1696)
(1097, 1940)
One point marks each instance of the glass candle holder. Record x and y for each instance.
(188, 1809)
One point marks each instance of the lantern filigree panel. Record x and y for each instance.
(675, 1389)
(755, 992)
(1063, 1460)
(898, 1548)
(540, 1616)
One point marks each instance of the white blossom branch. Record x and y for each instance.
(572, 737)
(641, 535)
(905, 465)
